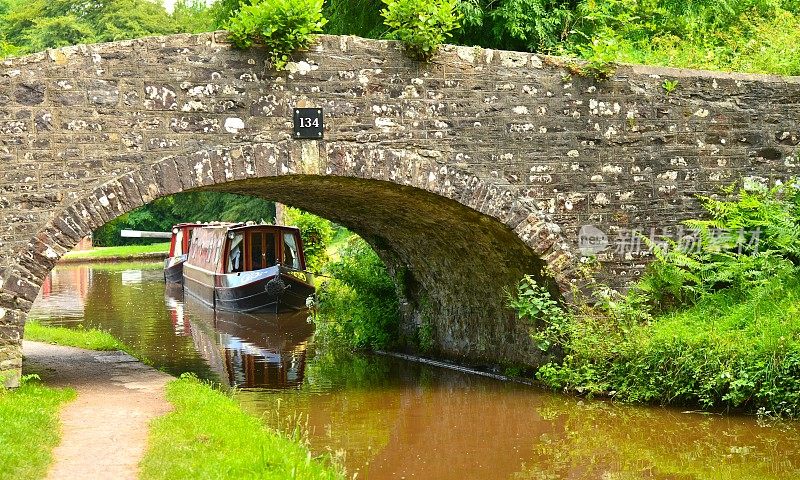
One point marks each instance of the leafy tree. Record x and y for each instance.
(354, 17)
(162, 213)
(530, 25)
(39, 24)
(193, 16)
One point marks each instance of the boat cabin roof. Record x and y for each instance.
(187, 224)
(241, 227)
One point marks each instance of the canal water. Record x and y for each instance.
(391, 419)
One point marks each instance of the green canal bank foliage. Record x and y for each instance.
(716, 326)
(124, 252)
(357, 305)
(88, 338)
(210, 436)
(29, 428)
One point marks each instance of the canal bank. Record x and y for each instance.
(105, 429)
(152, 252)
(131, 421)
(391, 417)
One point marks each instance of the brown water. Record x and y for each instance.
(391, 419)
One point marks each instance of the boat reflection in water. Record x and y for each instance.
(246, 350)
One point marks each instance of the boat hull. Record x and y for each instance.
(173, 269)
(273, 289)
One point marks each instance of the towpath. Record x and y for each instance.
(104, 431)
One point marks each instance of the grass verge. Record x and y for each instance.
(89, 339)
(735, 349)
(29, 428)
(210, 436)
(122, 252)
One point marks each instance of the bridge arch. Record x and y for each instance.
(453, 242)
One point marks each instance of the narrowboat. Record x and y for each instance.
(248, 268)
(178, 251)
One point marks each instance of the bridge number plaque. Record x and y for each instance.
(308, 123)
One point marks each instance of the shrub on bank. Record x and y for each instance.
(358, 306)
(716, 326)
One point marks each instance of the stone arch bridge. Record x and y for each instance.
(464, 173)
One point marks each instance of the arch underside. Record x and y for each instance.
(452, 264)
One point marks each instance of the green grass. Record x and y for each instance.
(734, 349)
(125, 251)
(90, 339)
(29, 428)
(210, 436)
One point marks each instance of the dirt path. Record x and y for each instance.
(104, 431)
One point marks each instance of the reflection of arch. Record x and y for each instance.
(453, 241)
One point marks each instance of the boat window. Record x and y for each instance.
(235, 256)
(262, 250)
(188, 239)
(272, 258)
(290, 256)
(178, 249)
(256, 251)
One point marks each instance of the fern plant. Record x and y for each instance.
(745, 242)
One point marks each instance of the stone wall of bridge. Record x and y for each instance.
(464, 173)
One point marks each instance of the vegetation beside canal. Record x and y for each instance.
(210, 436)
(358, 306)
(29, 428)
(124, 252)
(87, 338)
(716, 326)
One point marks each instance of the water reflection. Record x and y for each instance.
(178, 334)
(395, 419)
(249, 350)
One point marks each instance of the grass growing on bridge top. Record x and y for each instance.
(29, 428)
(210, 436)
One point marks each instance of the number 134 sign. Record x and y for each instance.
(308, 123)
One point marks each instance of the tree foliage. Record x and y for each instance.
(31, 26)
(161, 214)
